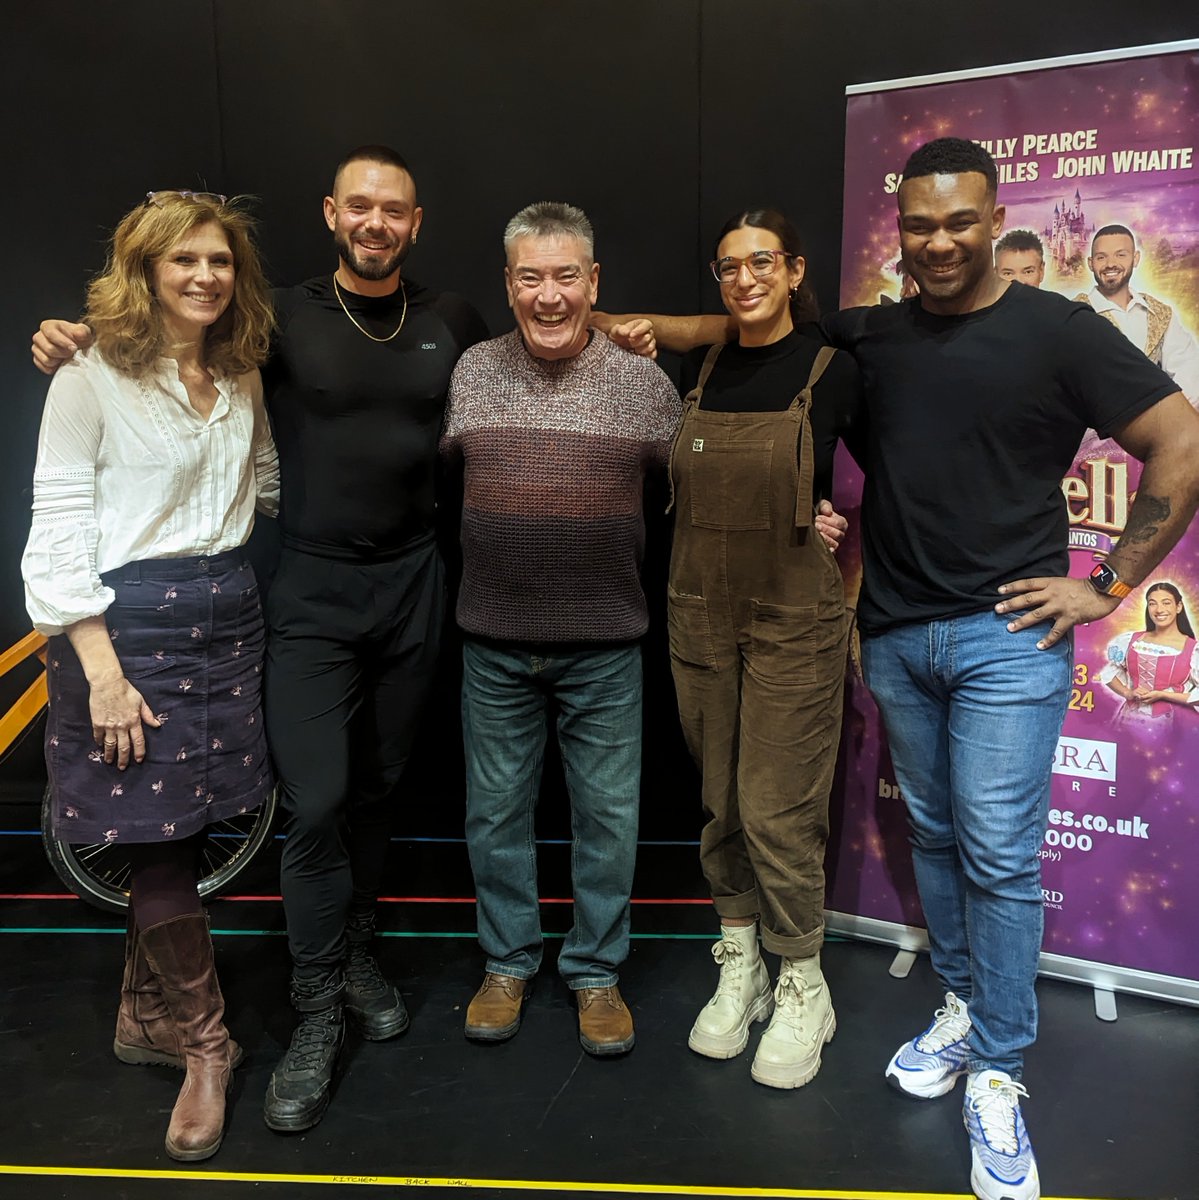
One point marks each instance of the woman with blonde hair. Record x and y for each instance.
(154, 453)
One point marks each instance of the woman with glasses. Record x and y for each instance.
(758, 639)
(154, 452)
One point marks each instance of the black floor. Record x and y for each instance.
(1112, 1112)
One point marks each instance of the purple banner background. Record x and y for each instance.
(1119, 875)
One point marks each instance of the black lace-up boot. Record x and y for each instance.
(302, 1084)
(374, 1005)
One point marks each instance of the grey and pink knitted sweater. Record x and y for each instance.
(555, 455)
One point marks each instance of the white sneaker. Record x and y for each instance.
(1003, 1166)
(803, 1023)
(742, 996)
(929, 1065)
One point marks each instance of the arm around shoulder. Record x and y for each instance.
(56, 342)
(677, 333)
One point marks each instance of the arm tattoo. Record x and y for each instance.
(1145, 520)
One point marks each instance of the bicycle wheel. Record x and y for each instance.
(99, 872)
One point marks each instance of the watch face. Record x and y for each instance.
(1103, 577)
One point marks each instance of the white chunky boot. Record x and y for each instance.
(803, 1023)
(742, 996)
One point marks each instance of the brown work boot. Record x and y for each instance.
(179, 952)
(495, 1011)
(145, 1035)
(605, 1023)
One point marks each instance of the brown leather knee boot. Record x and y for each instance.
(179, 952)
(145, 1033)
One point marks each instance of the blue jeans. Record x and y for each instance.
(506, 692)
(972, 714)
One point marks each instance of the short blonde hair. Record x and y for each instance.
(124, 314)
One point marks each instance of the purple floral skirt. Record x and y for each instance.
(189, 635)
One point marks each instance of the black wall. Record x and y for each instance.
(659, 117)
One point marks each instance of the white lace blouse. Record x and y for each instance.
(128, 470)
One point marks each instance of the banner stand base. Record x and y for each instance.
(1104, 979)
(1105, 1004)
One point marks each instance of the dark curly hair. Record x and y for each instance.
(952, 156)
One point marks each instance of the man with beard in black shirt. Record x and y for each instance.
(356, 389)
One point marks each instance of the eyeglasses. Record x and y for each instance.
(761, 264)
(157, 198)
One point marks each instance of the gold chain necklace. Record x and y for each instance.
(337, 293)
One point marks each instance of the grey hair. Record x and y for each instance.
(550, 219)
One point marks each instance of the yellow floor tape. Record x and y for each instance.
(513, 1185)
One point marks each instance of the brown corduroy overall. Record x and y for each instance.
(758, 641)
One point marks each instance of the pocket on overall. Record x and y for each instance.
(689, 629)
(730, 484)
(784, 641)
(143, 636)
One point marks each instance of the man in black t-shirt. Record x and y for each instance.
(977, 394)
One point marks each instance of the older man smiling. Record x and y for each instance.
(556, 428)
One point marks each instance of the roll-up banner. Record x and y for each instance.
(1082, 143)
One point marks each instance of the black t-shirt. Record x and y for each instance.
(357, 422)
(972, 422)
(768, 378)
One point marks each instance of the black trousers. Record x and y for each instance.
(351, 655)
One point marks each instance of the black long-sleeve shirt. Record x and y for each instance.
(357, 421)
